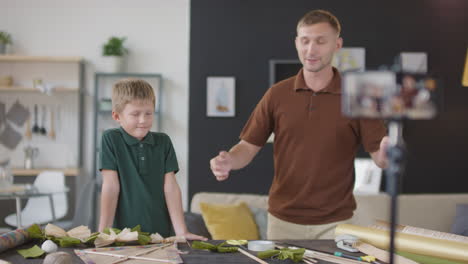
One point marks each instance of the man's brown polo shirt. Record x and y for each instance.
(314, 149)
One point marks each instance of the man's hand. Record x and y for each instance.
(380, 156)
(221, 165)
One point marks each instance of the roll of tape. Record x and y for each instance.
(260, 245)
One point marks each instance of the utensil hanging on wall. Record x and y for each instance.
(43, 129)
(28, 132)
(35, 128)
(52, 123)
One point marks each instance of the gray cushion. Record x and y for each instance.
(261, 218)
(460, 225)
(196, 225)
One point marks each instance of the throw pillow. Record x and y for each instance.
(460, 225)
(228, 221)
(196, 225)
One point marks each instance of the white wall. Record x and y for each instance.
(157, 34)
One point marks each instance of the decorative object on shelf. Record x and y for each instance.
(6, 176)
(30, 153)
(350, 59)
(5, 40)
(465, 73)
(220, 97)
(413, 62)
(105, 105)
(2, 115)
(113, 52)
(6, 80)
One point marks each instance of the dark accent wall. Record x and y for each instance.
(238, 38)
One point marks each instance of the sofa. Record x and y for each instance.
(429, 211)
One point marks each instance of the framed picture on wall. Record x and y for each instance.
(349, 59)
(220, 96)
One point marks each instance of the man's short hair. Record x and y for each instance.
(128, 90)
(320, 16)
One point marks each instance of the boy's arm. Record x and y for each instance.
(174, 205)
(109, 197)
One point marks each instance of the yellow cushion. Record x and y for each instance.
(228, 221)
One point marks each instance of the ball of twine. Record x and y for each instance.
(58, 258)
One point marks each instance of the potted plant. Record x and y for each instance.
(114, 53)
(5, 39)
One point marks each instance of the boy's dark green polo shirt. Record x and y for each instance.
(141, 166)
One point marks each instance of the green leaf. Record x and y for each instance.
(91, 238)
(203, 245)
(268, 253)
(68, 241)
(136, 228)
(35, 231)
(282, 254)
(227, 249)
(34, 252)
(143, 239)
(107, 230)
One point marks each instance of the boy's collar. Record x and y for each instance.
(148, 139)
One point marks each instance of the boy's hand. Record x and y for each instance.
(221, 165)
(190, 236)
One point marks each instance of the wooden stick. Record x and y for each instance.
(327, 257)
(309, 259)
(120, 260)
(252, 256)
(144, 252)
(128, 257)
(381, 254)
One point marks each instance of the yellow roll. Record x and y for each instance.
(409, 243)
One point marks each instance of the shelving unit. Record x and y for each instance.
(66, 75)
(103, 108)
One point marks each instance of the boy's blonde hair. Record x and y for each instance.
(127, 90)
(319, 16)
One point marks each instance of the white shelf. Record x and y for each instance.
(24, 58)
(34, 172)
(32, 89)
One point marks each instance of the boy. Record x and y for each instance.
(138, 167)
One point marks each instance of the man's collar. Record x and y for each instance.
(333, 87)
(148, 139)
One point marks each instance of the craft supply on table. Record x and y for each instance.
(252, 256)
(260, 245)
(384, 225)
(346, 242)
(13, 239)
(313, 254)
(58, 257)
(381, 254)
(445, 249)
(161, 253)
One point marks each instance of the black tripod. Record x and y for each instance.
(396, 157)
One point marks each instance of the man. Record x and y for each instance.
(315, 145)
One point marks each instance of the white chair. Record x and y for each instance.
(83, 209)
(38, 209)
